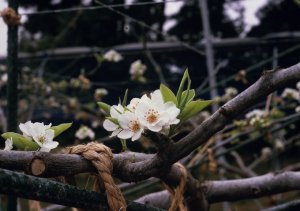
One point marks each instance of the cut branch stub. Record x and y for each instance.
(37, 166)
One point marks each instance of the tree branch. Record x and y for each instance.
(235, 190)
(269, 82)
(255, 187)
(40, 189)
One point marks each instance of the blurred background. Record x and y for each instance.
(75, 53)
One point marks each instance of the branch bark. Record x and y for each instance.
(235, 190)
(40, 189)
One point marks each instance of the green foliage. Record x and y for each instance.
(60, 128)
(105, 107)
(167, 94)
(114, 120)
(193, 108)
(124, 102)
(188, 95)
(20, 142)
(184, 99)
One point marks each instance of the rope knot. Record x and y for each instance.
(101, 157)
(10, 17)
(177, 193)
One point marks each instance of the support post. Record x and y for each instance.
(12, 85)
(209, 52)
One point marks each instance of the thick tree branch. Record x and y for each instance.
(40, 189)
(269, 82)
(255, 187)
(235, 190)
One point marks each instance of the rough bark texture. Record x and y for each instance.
(235, 190)
(30, 187)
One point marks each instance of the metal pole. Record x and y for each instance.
(209, 52)
(12, 85)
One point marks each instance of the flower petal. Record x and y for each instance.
(125, 134)
(50, 145)
(116, 132)
(109, 125)
(137, 135)
(155, 128)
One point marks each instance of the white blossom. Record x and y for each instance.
(85, 132)
(8, 144)
(101, 91)
(112, 56)
(133, 104)
(230, 91)
(4, 78)
(297, 109)
(40, 133)
(298, 85)
(115, 112)
(154, 114)
(131, 126)
(3, 68)
(255, 113)
(145, 113)
(291, 93)
(137, 69)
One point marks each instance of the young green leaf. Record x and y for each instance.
(188, 95)
(60, 128)
(125, 98)
(99, 58)
(167, 94)
(104, 106)
(184, 100)
(20, 142)
(114, 120)
(193, 108)
(181, 86)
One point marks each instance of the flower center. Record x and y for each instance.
(42, 139)
(134, 126)
(151, 115)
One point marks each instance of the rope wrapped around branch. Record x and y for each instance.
(177, 194)
(10, 17)
(101, 157)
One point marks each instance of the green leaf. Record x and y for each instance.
(194, 108)
(167, 94)
(181, 86)
(21, 142)
(114, 120)
(104, 106)
(125, 98)
(60, 128)
(184, 100)
(99, 58)
(188, 95)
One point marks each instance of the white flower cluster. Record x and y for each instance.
(85, 132)
(100, 93)
(256, 117)
(231, 91)
(112, 56)
(39, 133)
(255, 113)
(137, 70)
(291, 93)
(145, 113)
(298, 85)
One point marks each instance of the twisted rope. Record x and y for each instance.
(177, 194)
(101, 157)
(10, 16)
